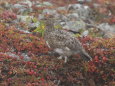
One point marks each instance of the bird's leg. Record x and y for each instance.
(65, 59)
(48, 44)
(60, 57)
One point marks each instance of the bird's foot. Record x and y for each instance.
(65, 59)
(48, 44)
(60, 57)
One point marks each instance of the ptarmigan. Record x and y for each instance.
(62, 42)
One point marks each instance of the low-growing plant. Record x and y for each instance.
(44, 69)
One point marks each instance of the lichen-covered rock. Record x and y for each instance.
(49, 12)
(47, 4)
(82, 11)
(108, 30)
(75, 25)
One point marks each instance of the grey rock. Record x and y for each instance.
(47, 4)
(73, 16)
(21, 29)
(6, 5)
(63, 23)
(25, 11)
(26, 19)
(85, 0)
(62, 8)
(24, 55)
(107, 30)
(106, 27)
(18, 6)
(39, 5)
(27, 2)
(49, 11)
(12, 55)
(85, 33)
(23, 8)
(41, 16)
(89, 0)
(62, 18)
(82, 11)
(75, 25)
(74, 6)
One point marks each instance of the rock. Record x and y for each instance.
(62, 23)
(22, 30)
(6, 5)
(82, 11)
(85, 33)
(35, 2)
(88, 0)
(109, 35)
(75, 25)
(62, 18)
(24, 55)
(41, 16)
(80, 1)
(44, 4)
(38, 5)
(18, 6)
(24, 18)
(73, 7)
(84, 0)
(47, 4)
(108, 30)
(25, 10)
(73, 16)
(61, 8)
(12, 55)
(24, 7)
(27, 2)
(49, 12)
(106, 27)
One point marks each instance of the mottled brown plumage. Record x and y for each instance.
(63, 42)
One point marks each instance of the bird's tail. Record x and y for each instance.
(85, 56)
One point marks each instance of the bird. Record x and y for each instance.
(62, 42)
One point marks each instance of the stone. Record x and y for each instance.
(47, 4)
(75, 25)
(49, 11)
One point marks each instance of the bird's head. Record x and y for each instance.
(49, 22)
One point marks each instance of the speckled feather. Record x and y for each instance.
(63, 41)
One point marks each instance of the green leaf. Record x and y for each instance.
(40, 28)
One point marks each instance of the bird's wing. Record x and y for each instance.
(56, 39)
(62, 39)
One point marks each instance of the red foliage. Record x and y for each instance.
(8, 15)
(46, 70)
(20, 41)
